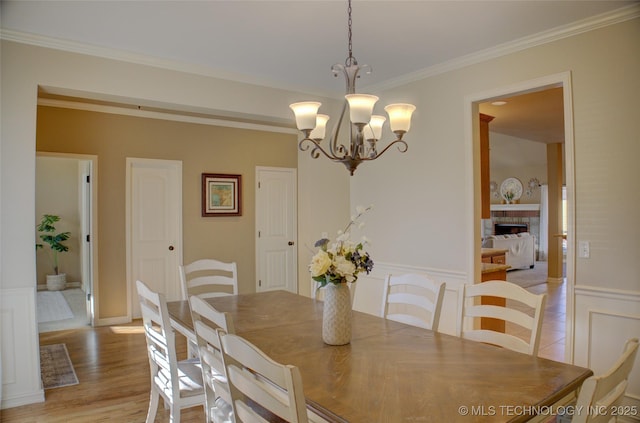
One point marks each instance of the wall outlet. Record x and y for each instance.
(583, 249)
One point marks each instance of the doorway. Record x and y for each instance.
(65, 187)
(563, 82)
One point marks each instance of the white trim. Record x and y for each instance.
(515, 207)
(574, 28)
(110, 321)
(569, 30)
(613, 294)
(172, 115)
(471, 102)
(95, 284)
(20, 379)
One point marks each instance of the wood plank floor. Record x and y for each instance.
(112, 367)
(113, 370)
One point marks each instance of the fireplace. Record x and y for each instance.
(510, 228)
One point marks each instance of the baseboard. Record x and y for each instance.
(20, 400)
(43, 287)
(110, 321)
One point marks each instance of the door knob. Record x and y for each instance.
(290, 242)
(170, 247)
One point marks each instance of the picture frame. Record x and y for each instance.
(221, 195)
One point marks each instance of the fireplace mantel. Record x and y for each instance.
(515, 207)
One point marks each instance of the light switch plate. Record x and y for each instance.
(584, 249)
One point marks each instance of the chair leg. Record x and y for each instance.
(175, 414)
(153, 406)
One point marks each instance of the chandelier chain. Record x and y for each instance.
(350, 59)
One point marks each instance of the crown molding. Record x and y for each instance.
(599, 21)
(595, 22)
(172, 115)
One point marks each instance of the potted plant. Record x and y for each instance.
(47, 230)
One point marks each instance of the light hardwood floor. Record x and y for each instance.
(112, 367)
(113, 370)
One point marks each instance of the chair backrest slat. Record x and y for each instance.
(413, 299)
(605, 391)
(470, 308)
(255, 378)
(207, 321)
(208, 278)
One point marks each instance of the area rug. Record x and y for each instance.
(529, 277)
(51, 306)
(56, 367)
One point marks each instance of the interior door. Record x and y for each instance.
(276, 223)
(154, 204)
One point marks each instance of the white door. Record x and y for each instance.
(277, 223)
(87, 237)
(154, 223)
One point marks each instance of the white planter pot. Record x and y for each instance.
(56, 282)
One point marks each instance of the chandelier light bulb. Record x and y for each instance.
(360, 107)
(400, 116)
(306, 112)
(319, 131)
(373, 131)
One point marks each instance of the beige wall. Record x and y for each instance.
(57, 192)
(201, 148)
(423, 199)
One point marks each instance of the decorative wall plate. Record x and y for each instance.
(511, 187)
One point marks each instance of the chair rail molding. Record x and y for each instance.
(370, 289)
(597, 311)
(19, 355)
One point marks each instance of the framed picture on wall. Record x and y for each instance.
(221, 195)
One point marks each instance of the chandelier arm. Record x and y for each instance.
(338, 151)
(402, 147)
(317, 149)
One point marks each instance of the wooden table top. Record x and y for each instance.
(391, 372)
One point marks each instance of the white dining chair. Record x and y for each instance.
(206, 320)
(208, 278)
(255, 379)
(413, 299)
(179, 383)
(522, 308)
(601, 394)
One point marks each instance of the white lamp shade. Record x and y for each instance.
(360, 107)
(305, 112)
(373, 131)
(319, 131)
(400, 116)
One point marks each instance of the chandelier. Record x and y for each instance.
(365, 128)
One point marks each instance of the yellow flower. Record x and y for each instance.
(320, 263)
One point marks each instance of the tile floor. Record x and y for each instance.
(553, 322)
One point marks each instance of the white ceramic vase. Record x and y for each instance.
(336, 316)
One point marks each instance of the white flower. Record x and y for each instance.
(365, 240)
(320, 263)
(344, 268)
(361, 225)
(359, 210)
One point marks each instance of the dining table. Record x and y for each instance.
(393, 372)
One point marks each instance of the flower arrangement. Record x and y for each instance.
(341, 261)
(509, 195)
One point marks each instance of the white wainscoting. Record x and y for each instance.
(605, 319)
(19, 355)
(370, 288)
